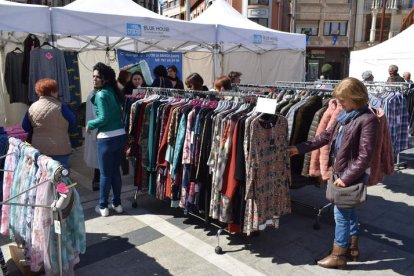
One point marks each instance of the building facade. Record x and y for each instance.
(268, 13)
(335, 27)
(329, 28)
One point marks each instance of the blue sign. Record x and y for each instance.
(133, 29)
(146, 62)
(257, 39)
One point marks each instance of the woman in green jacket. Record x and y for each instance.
(111, 136)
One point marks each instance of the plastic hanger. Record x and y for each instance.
(17, 49)
(47, 44)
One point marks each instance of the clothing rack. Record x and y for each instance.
(187, 93)
(300, 85)
(285, 85)
(55, 206)
(242, 93)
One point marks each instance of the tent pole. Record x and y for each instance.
(216, 53)
(3, 115)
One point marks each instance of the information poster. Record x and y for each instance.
(146, 62)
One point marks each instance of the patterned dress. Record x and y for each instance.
(268, 174)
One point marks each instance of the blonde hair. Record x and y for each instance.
(353, 89)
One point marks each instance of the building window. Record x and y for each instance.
(261, 21)
(335, 28)
(308, 31)
(307, 27)
(259, 2)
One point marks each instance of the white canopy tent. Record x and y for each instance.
(398, 50)
(263, 55)
(102, 24)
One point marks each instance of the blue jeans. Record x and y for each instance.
(110, 152)
(62, 159)
(346, 225)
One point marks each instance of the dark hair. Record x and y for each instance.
(108, 75)
(129, 86)
(160, 71)
(196, 80)
(233, 74)
(173, 67)
(123, 77)
(45, 87)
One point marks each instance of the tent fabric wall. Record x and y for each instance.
(266, 68)
(201, 63)
(398, 50)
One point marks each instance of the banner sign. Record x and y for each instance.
(146, 62)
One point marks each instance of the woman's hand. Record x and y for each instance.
(293, 151)
(87, 130)
(338, 182)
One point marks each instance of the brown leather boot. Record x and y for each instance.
(336, 259)
(353, 250)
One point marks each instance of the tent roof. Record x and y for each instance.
(401, 43)
(17, 17)
(236, 29)
(397, 50)
(126, 24)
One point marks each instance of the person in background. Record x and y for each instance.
(407, 77)
(222, 83)
(394, 76)
(172, 74)
(90, 149)
(161, 77)
(111, 137)
(352, 141)
(195, 82)
(136, 81)
(50, 122)
(367, 76)
(123, 77)
(235, 77)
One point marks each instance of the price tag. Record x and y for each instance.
(265, 105)
(57, 227)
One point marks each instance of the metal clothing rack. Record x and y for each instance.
(55, 206)
(248, 90)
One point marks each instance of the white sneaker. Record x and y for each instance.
(103, 212)
(117, 209)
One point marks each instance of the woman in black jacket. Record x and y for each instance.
(172, 74)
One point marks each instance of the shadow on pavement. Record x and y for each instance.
(115, 255)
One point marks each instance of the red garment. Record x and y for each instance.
(229, 188)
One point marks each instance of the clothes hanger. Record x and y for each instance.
(47, 44)
(17, 49)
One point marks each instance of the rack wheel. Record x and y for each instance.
(134, 204)
(218, 250)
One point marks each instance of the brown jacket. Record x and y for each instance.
(50, 128)
(382, 158)
(356, 151)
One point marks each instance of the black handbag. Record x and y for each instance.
(347, 197)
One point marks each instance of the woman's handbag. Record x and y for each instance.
(347, 197)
